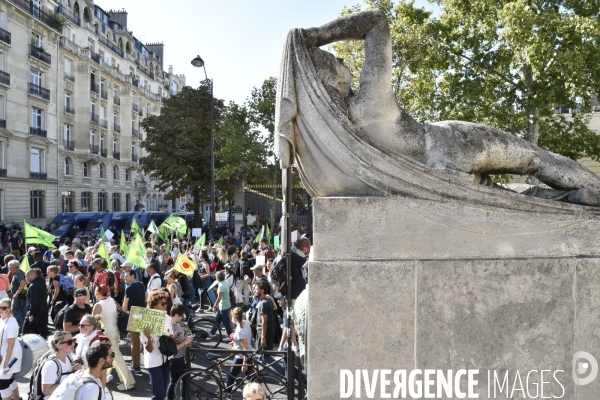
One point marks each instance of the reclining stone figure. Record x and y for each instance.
(379, 127)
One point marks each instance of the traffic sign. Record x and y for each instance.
(183, 200)
(182, 207)
(221, 217)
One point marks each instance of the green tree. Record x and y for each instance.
(507, 64)
(178, 145)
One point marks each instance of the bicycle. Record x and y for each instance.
(210, 383)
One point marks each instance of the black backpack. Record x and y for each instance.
(167, 346)
(35, 381)
(278, 272)
(60, 317)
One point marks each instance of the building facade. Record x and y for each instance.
(74, 86)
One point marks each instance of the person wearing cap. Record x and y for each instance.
(76, 311)
(36, 316)
(29, 255)
(18, 292)
(259, 273)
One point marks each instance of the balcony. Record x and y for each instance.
(94, 118)
(39, 91)
(40, 54)
(104, 153)
(5, 78)
(117, 128)
(36, 11)
(2, 123)
(117, 101)
(141, 112)
(69, 145)
(95, 58)
(135, 82)
(68, 15)
(104, 94)
(134, 107)
(69, 110)
(94, 88)
(5, 36)
(111, 46)
(134, 158)
(103, 124)
(135, 133)
(69, 77)
(116, 155)
(38, 175)
(141, 185)
(3, 173)
(93, 148)
(37, 131)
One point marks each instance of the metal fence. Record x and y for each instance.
(259, 198)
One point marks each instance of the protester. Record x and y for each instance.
(88, 327)
(75, 312)
(158, 365)
(241, 341)
(178, 362)
(61, 347)
(79, 282)
(265, 332)
(99, 358)
(242, 270)
(36, 315)
(222, 304)
(17, 288)
(10, 349)
(174, 287)
(253, 391)
(154, 281)
(106, 308)
(135, 295)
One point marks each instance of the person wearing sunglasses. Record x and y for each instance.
(10, 348)
(158, 365)
(88, 326)
(99, 357)
(61, 346)
(106, 309)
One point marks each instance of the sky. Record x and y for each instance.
(240, 41)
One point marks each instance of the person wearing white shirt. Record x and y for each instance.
(99, 358)
(10, 349)
(61, 345)
(155, 282)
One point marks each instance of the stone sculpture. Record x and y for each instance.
(364, 144)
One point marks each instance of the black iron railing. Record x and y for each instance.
(94, 118)
(2, 123)
(68, 15)
(69, 110)
(104, 124)
(135, 133)
(36, 11)
(134, 157)
(111, 46)
(117, 128)
(3, 172)
(117, 101)
(104, 94)
(116, 155)
(135, 82)
(5, 78)
(93, 148)
(37, 90)
(5, 36)
(69, 77)
(40, 54)
(38, 175)
(38, 131)
(95, 57)
(103, 152)
(134, 107)
(94, 88)
(69, 145)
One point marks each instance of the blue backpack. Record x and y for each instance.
(66, 283)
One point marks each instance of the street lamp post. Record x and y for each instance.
(199, 62)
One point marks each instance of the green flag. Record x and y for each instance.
(174, 223)
(201, 241)
(221, 241)
(35, 235)
(134, 229)
(24, 265)
(268, 234)
(136, 252)
(102, 252)
(102, 234)
(152, 227)
(276, 243)
(168, 243)
(123, 244)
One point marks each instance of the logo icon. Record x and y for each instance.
(584, 363)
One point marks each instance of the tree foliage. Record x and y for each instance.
(178, 144)
(507, 64)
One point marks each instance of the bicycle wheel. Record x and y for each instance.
(274, 387)
(199, 384)
(201, 330)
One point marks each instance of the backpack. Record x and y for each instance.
(111, 279)
(278, 331)
(66, 283)
(184, 284)
(35, 381)
(162, 281)
(59, 318)
(167, 346)
(279, 271)
(68, 388)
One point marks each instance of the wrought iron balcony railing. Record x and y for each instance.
(104, 94)
(3, 172)
(40, 54)
(116, 155)
(5, 36)
(68, 14)
(135, 133)
(134, 107)
(117, 128)
(39, 91)
(117, 101)
(94, 118)
(69, 77)
(38, 131)
(103, 152)
(134, 157)
(94, 88)
(104, 124)
(69, 110)
(2, 123)
(5, 78)
(38, 175)
(95, 57)
(93, 148)
(69, 145)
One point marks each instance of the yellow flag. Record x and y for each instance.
(24, 266)
(184, 265)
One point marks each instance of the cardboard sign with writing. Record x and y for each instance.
(141, 318)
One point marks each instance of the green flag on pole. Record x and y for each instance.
(174, 223)
(102, 252)
(201, 242)
(35, 235)
(152, 227)
(268, 234)
(24, 265)
(123, 244)
(102, 234)
(134, 229)
(221, 241)
(276, 242)
(168, 243)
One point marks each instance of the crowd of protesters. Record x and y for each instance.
(74, 292)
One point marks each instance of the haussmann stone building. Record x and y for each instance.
(74, 86)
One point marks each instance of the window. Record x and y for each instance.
(92, 137)
(67, 137)
(147, 110)
(93, 107)
(67, 100)
(68, 199)
(102, 196)
(35, 77)
(37, 118)
(68, 167)
(116, 202)
(68, 65)
(127, 202)
(2, 155)
(115, 173)
(86, 201)
(37, 203)
(36, 40)
(115, 146)
(102, 142)
(127, 178)
(116, 91)
(115, 119)
(36, 160)
(102, 174)
(86, 169)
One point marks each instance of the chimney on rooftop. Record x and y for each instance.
(170, 69)
(120, 17)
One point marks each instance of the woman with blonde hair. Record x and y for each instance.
(88, 327)
(59, 363)
(106, 308)
(10, 349)
(158, 365)
(174, 287)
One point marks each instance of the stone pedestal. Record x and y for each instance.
(405, 284)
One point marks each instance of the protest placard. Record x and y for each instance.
(141, 318)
